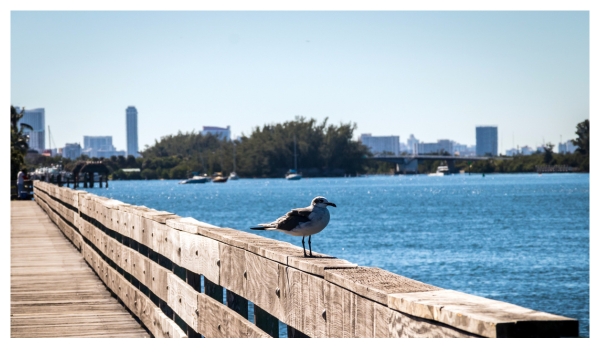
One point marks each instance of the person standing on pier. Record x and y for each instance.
(21, 177)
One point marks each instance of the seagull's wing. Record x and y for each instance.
(293, 218)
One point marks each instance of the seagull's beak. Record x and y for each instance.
(332, 204)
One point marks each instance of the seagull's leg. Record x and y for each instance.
(303, 247)
(309, 246)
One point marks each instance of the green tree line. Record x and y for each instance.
(323, 150)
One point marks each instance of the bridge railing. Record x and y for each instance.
(171, 273)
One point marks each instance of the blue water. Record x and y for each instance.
(520, 238)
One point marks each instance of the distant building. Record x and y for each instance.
(131, 119)
(36, 118)
(526, 150)
(404, 148)
(487, 140)
(410, 142)
(100, 146)
(426, 148)
(439, 147)
(446, 145)
(512, 152)
(567, 148)
(225, 133)
(380, 144)
(71, 150)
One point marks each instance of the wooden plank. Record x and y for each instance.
(220, 321)
(375, 283)
(159, 281)
(174, 242)
(303, 301)
(127, 261)
(139, 266)
(274, 250)
(183, 299)
(53, 291)
(146, 237)
(233, 268)
(339, 305)
(160, 241)
(136, 227)
(263, 283)
(187, 224)
(482, 316)
(318, 265)
(166, 328)
(200, 255)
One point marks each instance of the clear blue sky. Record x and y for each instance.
(436, 75)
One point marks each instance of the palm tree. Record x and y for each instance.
(18, 141)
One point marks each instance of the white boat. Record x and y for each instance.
(292, 174)
(441, 171)
(196, 179)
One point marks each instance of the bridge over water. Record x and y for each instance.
(177, 277)
(408, 164)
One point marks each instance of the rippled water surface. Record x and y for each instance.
(523, 239)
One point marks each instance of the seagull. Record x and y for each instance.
(303, 221)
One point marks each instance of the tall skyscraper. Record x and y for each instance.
(36, 118)
(132, 131)
(487, 140)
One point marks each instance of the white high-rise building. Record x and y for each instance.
(410, 142)
(380, 144)
(71, 150)
(219, 132)
(567, 147)
(131, 116)
(36, 118)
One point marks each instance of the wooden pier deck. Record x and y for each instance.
(54, 293)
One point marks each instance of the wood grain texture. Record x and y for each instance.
(183, 299)
(159, 281)
(200, 255)
(263, 283)
(54, 293)
(160, 241)
(318, 265)
(173, 239)
(303, 299)
(375, 283)
(478, 315)
(233, 266)
(187, 224)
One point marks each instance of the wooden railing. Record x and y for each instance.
(156, 262)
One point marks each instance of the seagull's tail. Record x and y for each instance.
(266, 226)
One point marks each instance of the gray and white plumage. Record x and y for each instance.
(303, 221)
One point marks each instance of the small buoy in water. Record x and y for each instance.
(483, 175)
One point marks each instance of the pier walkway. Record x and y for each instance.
(54, 293)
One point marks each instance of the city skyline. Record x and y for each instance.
(436, 75)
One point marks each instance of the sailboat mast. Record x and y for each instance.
(295, 156)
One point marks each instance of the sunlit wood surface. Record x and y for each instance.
(54, 293)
